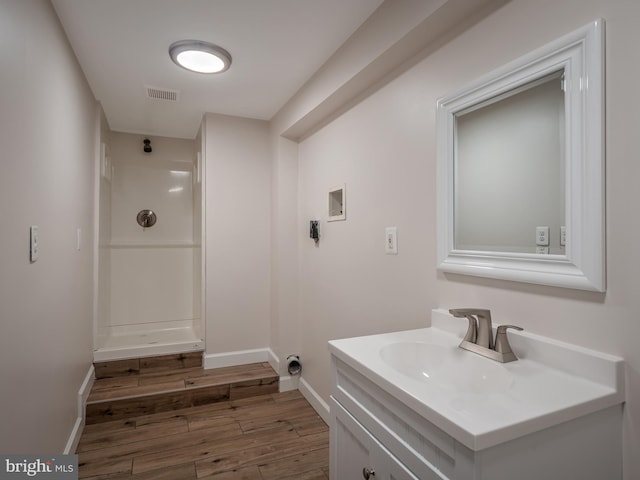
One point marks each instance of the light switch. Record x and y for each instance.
(391, 246)
(563, 236)
(33, 243)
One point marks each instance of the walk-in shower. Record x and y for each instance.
(149, 249)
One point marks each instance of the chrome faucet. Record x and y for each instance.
(479, 336)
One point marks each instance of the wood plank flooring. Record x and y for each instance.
(138, 391)
(254, 436)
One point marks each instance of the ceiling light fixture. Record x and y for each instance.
(201, 57)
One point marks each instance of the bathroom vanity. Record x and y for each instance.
(412, 405)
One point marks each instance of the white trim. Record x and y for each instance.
(96, 223)
(203, 230)
(110, 354)
(83, 394)
(74, 438)
(289, 383)
(240, 357)
(244, 357)
(274, 361)
(316, 401)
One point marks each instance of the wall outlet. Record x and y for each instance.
(542, 236)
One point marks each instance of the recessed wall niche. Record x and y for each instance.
(337, 204)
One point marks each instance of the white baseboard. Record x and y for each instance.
(274, 361)
(216, 360)
(289, 382)
(83, 394)
(240, 357)
(316, 401)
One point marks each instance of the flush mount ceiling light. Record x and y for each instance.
(201, 57)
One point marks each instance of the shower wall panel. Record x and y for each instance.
(151, 284)
(161, 186)
(152, 269)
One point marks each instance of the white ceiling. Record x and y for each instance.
(276, 45)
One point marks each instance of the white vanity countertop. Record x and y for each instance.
(550, 383)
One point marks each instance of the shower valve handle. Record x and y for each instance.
(146, 218)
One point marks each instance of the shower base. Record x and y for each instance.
(162, 338)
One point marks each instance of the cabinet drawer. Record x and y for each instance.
(419, 445)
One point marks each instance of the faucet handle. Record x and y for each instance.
(472, 330)
(502, 343)
(479, 331)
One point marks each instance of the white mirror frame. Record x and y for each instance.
(581, 55)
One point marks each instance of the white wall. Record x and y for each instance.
(284, 333)
(238, 193)
(384, 150)
(47, 130)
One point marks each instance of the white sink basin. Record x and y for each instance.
(478, 401)
(447, 367)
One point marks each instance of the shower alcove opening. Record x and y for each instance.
(149, 282)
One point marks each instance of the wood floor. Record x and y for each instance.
(121, 391)
(257, 435)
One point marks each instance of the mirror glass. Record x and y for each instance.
(509, 170)
(520, 168)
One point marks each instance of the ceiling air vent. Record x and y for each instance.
(157, 93)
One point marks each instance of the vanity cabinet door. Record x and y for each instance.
(350, 447)
(356, 454)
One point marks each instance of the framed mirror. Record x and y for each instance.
(521, 168)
